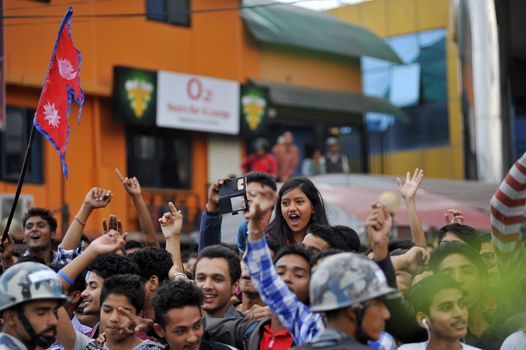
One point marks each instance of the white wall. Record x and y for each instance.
(224, 156)
(486, 78)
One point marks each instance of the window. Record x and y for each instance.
(418, 86)
(160, 158)
(176, 12)
(13, 143)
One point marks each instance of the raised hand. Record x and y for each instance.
(263, 201)
(133, 323)
(410, 186)
(98, 198)
(7, 248)
(110, 242)
(114, 224)
(416, 260)
(132, 185)
(171, 222)
(212, 204)
(454, 216)
(379, 223)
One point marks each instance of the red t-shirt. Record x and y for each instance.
(266, 164)
(280, 340)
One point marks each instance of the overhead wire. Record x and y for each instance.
(143, 14)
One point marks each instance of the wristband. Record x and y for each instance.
(80, 222)
(65, 277)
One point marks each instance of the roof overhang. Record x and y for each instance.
(281, 24)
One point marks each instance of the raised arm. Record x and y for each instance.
(210, 229)
(293, 314)
(171, 225)
(507, 212)
(109, 242)
(408, 191)
(133, 187)
(95, 198)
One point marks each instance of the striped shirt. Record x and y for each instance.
(507, 209)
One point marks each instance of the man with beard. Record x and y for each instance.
(30, 294)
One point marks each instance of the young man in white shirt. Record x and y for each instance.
(441, 308)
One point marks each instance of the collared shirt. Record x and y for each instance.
(292, 313)
(63, 256)
(8, 342)
(280, 340)
(297, 317)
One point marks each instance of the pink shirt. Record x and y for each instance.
(287, 157)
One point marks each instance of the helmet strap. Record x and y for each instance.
(359, 311)
(36, 339)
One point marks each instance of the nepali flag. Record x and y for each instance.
(62, 84)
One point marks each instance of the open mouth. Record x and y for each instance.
(460, 325)
(209, 298)
(294, 218)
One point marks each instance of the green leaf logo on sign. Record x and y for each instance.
(139, 94)
(254, 105)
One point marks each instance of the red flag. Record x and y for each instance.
(62, 84)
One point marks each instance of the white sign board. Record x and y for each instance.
(198, 103)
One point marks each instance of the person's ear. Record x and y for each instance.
(422, 320)
(235, 286)
(52, 235)
(350, 313)
(158, 330)
(75, 297)
(154, 283)
(9, 318)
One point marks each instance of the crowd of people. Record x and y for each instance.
(291, 281)
(283, 161)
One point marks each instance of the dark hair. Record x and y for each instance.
(132, 244)
(260, 142)
(175, 295)
(262, 178)
(443, 251)
(350, 237)
(44, 214)
(278, 228)
(464, 232)
(293, 249)
(219, 252)
(333, 238)
(404, 244)
(106, 266)
(323, 254)
(152, 261)
(31, 258)
(127, 285)
(273, 245)
(424, 291)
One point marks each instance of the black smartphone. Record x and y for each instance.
(233, 196)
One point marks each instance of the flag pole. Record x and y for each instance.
(21, 178)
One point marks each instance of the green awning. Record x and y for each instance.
(313, 30)
(341, 102)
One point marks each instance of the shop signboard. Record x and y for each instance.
(134, 96)
(253, 110)
(198, 103)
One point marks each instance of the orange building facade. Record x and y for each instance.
(212, 44)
